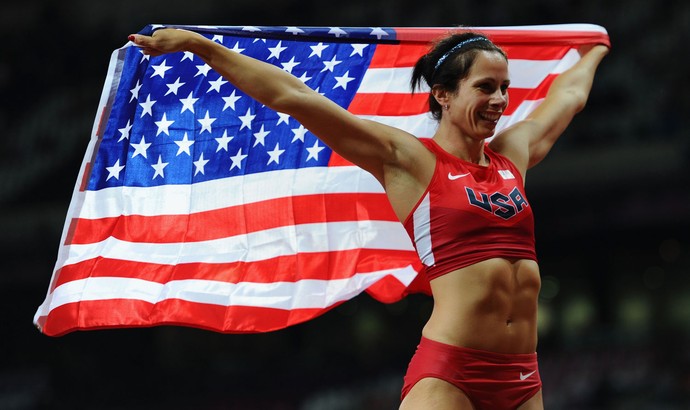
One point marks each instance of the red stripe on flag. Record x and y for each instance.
(530, 52)
(398, 55)
(235, 220)
(517, 96)
(101, 314)
(547, 37)
(390, 104)
(509, 36)
(290, 268)
(406, 55)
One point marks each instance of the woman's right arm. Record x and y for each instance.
(367, 144)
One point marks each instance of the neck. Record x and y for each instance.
(465, 148)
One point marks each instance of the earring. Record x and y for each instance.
(445, 107)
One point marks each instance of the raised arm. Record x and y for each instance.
(527, 142)
(368, 144)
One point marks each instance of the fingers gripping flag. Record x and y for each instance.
(197, 206)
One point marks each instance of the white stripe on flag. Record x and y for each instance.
(519, 114)
(227, 192)
(523, 74)
(303, 294)
(573, 27)
(252, 247)
(421, 125)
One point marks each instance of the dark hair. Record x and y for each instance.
(448, 62)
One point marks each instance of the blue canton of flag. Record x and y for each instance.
(179, 122)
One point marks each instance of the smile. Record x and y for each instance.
(490, 116)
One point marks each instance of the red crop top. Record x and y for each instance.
(470, 213)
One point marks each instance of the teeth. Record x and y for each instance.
(490, 117)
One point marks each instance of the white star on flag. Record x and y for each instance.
(158, 167)
(188, 103)
(314, 151)
(140, 148)
(124, 132)
(330, 65)
(378, 32)
(275, 51)
(275, 155)
(206, 123)
(358, 49)
(163, 125)
(303, 78)
(343, 80)
(299, 133)
(230, 101)
(282, 117)
(236, 48)
(216, 84)
(173, 87)
(183, 145)
(237, 160)
(294, 30)
(317, 50)
(337, 31)
(203, 70)
(246, 119)
(144, 57)
(200, 164)
(135, 91)
(223, 141)
(114, 171)
(160, 70)
(260, 136)
(289, 65)
(188, 55)
(147, 105)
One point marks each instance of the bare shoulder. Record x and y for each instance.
(407, 175)
(513, 143)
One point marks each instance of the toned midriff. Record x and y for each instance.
(491, 305)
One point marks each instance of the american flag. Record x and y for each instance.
(197, 206)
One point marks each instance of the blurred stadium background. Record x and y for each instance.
(613, 224)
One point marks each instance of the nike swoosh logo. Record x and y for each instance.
(524, 376)
(454, 177)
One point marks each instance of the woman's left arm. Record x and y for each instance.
(527, 142)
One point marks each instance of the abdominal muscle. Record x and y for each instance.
(490, 305)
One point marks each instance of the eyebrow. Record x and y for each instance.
(491, 79)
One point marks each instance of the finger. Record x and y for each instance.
(138, 39)
(584, 49)
(150, 51)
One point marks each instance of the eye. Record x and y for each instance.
(486, 87)
(504, 88)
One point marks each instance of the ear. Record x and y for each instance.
(440, 94)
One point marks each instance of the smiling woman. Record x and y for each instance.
(484, 323)
(461, 200)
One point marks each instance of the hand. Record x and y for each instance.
(163, 41)
(585, 49)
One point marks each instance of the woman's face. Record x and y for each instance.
(481, 97)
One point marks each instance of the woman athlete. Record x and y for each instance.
(460, 198)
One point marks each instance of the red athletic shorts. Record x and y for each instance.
(490, 380)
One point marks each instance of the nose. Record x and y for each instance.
(499, 99)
